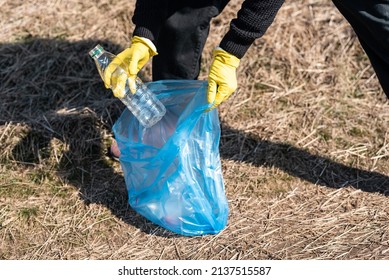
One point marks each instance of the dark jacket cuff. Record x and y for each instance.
(145, 32)
(235, 45)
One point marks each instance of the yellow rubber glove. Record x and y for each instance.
(222, 77)
(131, 60)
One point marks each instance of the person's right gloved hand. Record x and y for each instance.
(131, 60)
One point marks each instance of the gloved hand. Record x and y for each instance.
(222, 77)
(131, 60)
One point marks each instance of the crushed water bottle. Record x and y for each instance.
(143, 104)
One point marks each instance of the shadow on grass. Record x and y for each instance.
(299, 163)
(52, 87)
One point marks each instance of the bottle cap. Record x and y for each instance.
(96, 51)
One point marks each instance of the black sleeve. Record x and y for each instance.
(252, 21)
(148, 18)
(370, 22)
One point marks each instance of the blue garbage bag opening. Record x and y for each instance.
(172, 170)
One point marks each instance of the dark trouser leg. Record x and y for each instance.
(370, 21)
(182, 39)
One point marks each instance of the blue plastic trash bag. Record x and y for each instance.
(172, 170)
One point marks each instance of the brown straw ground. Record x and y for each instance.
(304, 145)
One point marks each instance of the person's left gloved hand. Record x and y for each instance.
(222, 77)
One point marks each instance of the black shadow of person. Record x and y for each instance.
(299, 163)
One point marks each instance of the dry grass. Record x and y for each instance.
(305, 141)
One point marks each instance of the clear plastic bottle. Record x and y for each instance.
(143, 104)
